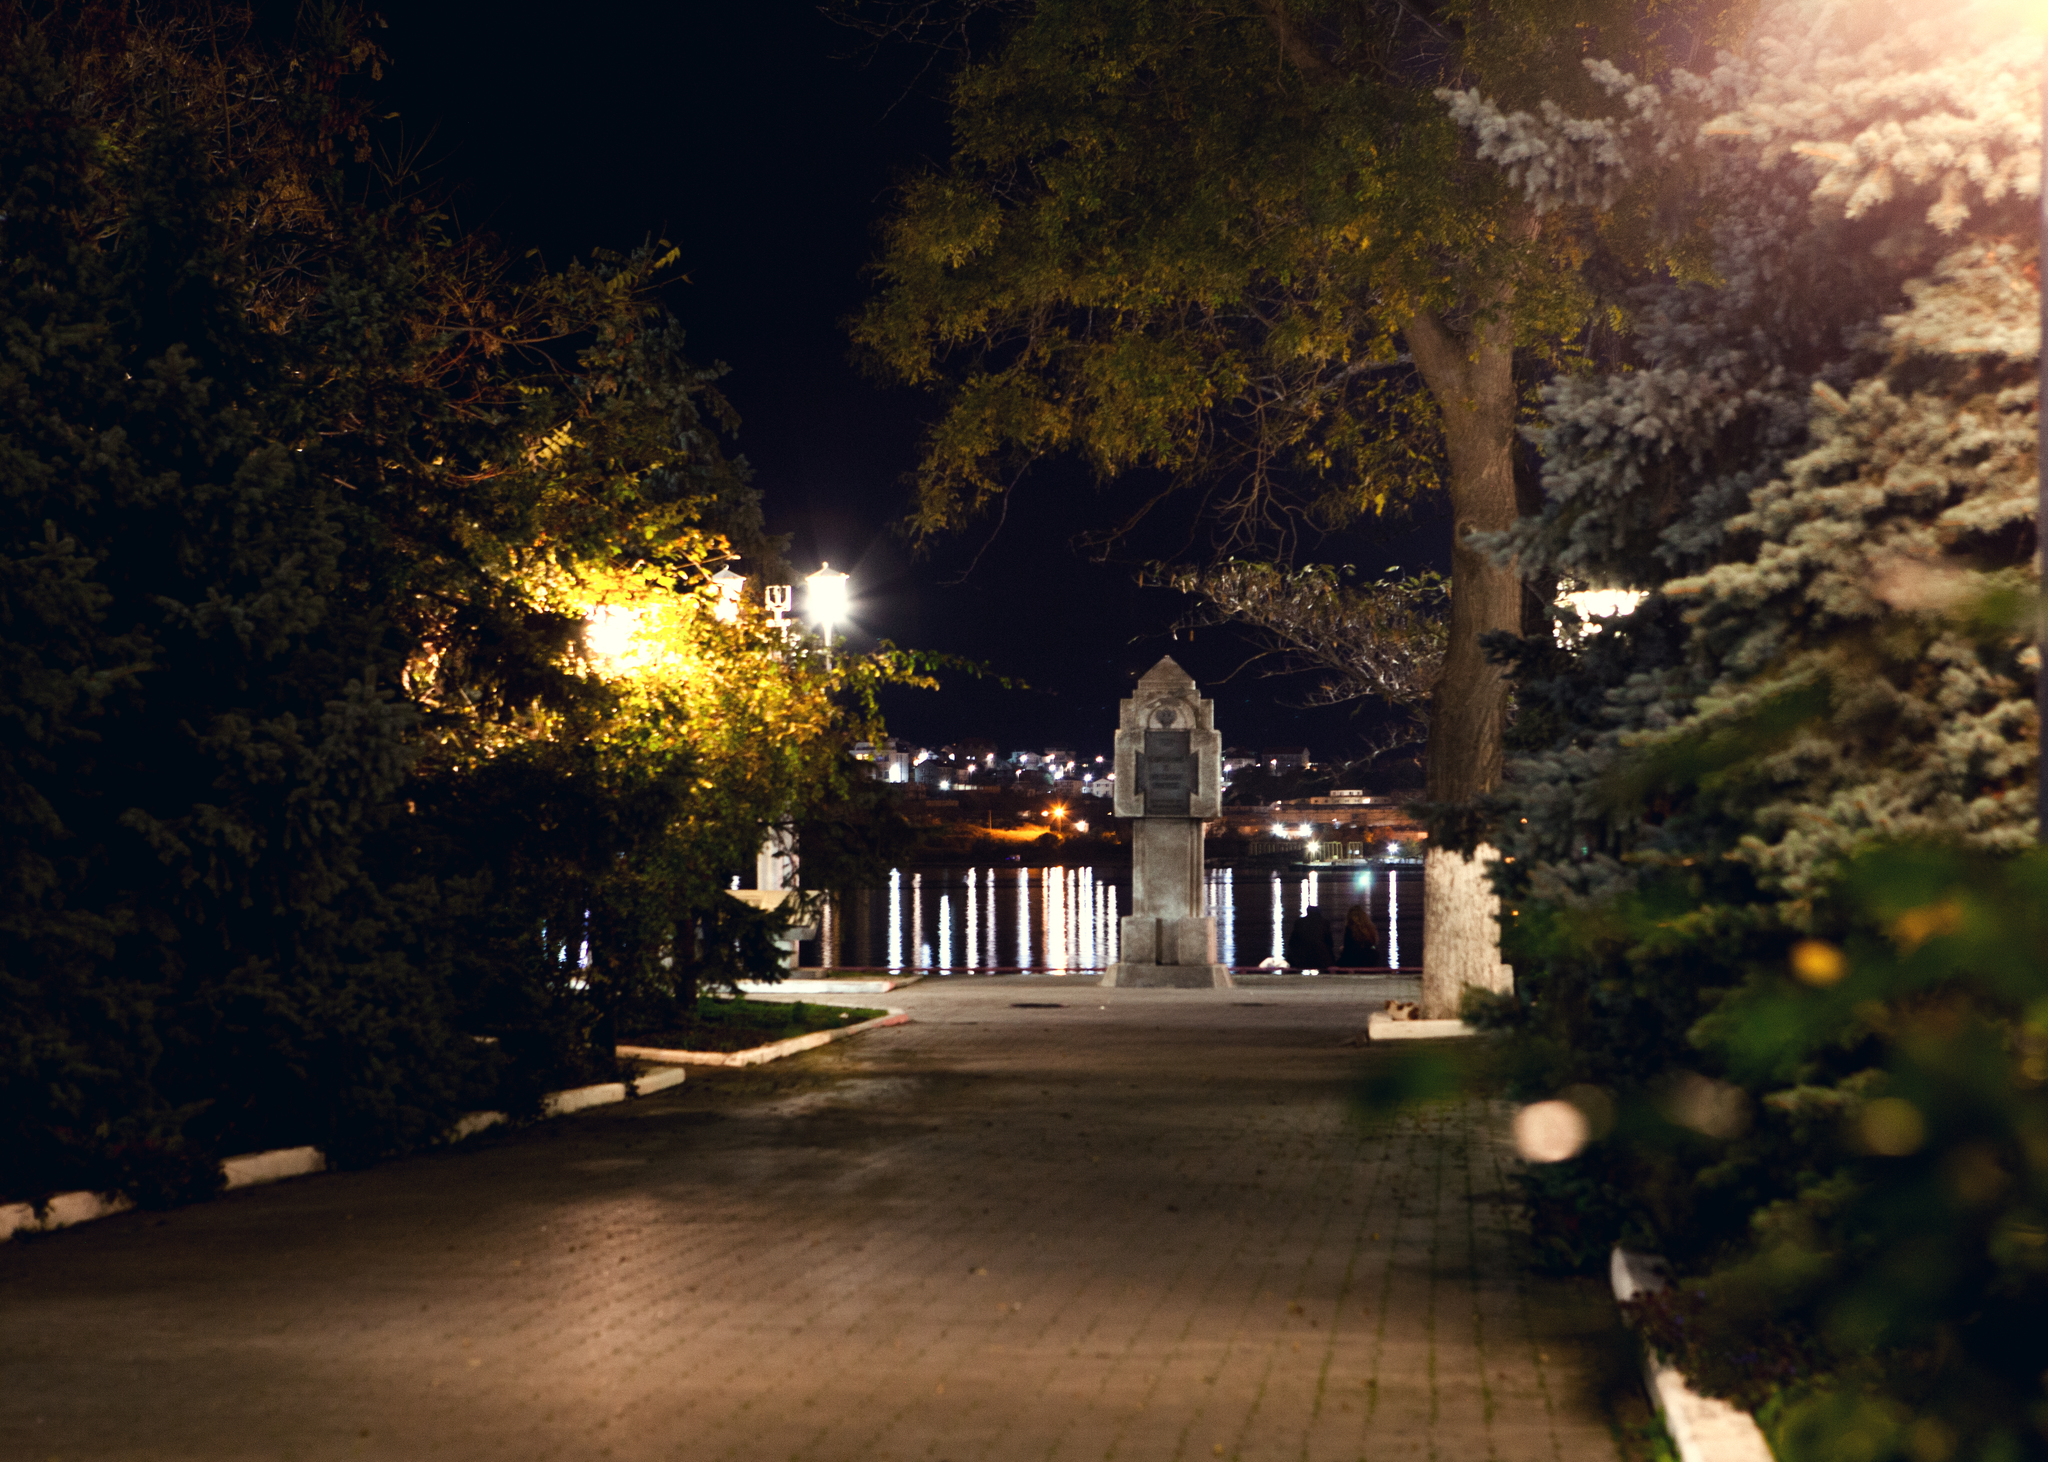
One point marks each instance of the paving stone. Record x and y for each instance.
(1146, 1225)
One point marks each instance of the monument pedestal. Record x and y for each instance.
(1168, 977)
(1167, 954)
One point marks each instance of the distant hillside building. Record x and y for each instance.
(1286, 758)
(892, 758)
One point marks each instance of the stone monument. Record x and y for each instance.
(1169, 778)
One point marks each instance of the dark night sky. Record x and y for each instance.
(764, 140)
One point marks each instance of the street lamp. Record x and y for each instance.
(727, 585)
(827, 603)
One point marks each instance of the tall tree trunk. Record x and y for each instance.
(1471, 375)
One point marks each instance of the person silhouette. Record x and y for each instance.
(1361, 940)
(1308, 942)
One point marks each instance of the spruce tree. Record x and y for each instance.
(1817, 460)
(199, 727)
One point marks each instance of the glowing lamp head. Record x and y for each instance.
(727, 585)
(826, 599)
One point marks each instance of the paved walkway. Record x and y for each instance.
(1144, 1225)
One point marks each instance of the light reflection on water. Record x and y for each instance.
(984, 920)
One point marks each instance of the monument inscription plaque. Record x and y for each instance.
(1169, 778)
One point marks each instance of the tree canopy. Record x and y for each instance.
(1242, 256)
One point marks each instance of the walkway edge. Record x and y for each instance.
(846, 985)
(1703, 1428)
(773, 1051)
(252, 1168)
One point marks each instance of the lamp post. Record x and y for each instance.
(826, 601)
(727, 585)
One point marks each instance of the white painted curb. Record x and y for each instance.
(577, 1099)
(65, 1209)
(1703, 1428)
(268, 1167)
(250, 1169)
(773, 1051)
(655, 1081)
(1380, 1026)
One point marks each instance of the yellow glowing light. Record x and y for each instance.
(1916, 926)
(1816, 962)
(612, 635)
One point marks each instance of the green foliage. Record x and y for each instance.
(1895, 1255)
(1188, 238)
(1772, 925)
(200, 731)
(368, 742)
(1244, 260)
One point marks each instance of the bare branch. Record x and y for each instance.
(1383, 640)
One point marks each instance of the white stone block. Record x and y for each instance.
(577, 1098)
(269, 1167)
(65, 1209)
(472, 1123)
(1380, 1026)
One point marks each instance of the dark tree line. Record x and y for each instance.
(322, 821)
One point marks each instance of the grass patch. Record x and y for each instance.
(741, 1025)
